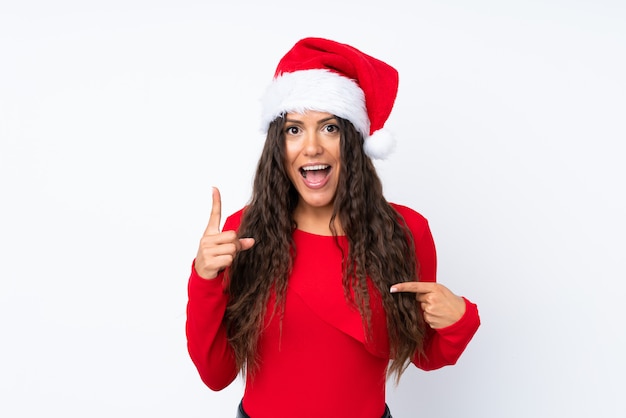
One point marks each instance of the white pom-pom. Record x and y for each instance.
(379, 145)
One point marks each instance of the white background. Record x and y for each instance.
(117, 117)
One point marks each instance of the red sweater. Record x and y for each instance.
(323, 366)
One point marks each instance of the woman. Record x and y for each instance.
(319, 289)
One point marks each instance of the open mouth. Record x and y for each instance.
(315, 173)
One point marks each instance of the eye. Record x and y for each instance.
(330, 128)
(292, 130)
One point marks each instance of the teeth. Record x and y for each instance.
(315, 167)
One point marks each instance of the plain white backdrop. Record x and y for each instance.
(117, 117)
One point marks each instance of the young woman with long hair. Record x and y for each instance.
(319, 289)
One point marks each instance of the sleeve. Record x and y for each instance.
(443, 347)
(207, 342)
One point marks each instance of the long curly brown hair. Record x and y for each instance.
(381, 249)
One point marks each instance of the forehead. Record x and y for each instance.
(312, 115)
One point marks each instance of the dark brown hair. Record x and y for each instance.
(381, 250)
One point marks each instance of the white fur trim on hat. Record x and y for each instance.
(318, 89)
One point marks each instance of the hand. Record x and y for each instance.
(440, 306)
(218, 249)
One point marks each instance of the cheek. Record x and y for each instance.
(336, 150)
(291, 153)
(292, 174)
(289, 167)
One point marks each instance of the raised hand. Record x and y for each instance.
(218, 249)
(440, 306)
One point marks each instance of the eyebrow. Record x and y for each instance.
(320, 122)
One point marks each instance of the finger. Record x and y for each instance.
(225, 237)
(228, 248)
(430, 320)
(425, 297)
(413, 287)
(220, 244)
(216, 214)
(210, 261)
(218, 264)
(246, 243)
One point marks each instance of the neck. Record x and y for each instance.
(316, 220)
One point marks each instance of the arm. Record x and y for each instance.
(453, 320)
(444, 346)
(207, 340)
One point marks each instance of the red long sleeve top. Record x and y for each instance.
(323, 364)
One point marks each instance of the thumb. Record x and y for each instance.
(246, 243)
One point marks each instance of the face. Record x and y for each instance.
(312, 158)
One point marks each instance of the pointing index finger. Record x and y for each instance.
(216, 214)
(413, 287)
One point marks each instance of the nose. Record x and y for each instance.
(312, 144)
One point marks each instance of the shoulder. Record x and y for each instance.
(408, 213)
(233, 221)
(416, 222)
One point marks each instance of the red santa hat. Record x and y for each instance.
(327, 76)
